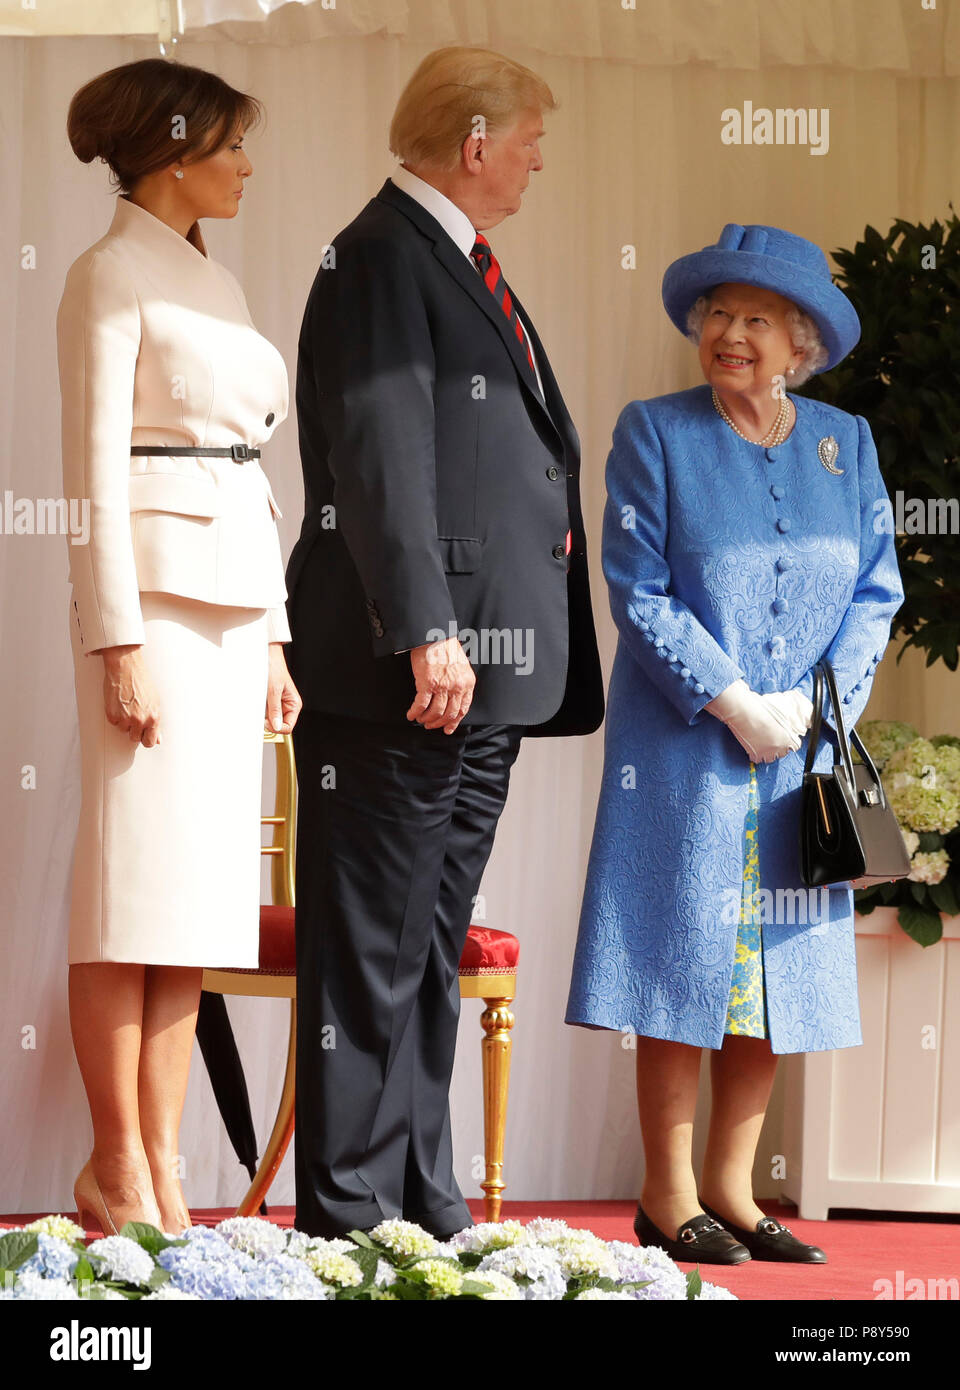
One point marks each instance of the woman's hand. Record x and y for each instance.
(793, 707)
(130, 699)
(758, 726)
(283, 698)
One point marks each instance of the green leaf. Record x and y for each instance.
(367, 1259)
(474, 1286)
(148, 1237)
(361, 1238)
(923, 927)
(945, 897)
(694, 1282)
(16, 1247)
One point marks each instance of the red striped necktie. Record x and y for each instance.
(495, 283)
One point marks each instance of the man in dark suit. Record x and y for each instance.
(440, 610)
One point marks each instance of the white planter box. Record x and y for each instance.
(878, 1126)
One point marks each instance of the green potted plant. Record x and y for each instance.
(922, 780)
(902, 377)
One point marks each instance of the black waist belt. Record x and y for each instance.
(238, 452)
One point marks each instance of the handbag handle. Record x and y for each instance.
(823, 672)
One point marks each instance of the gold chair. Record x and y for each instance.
(488, 971)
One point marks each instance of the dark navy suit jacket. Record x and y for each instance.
(439, 487)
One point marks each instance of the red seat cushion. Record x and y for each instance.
(278, 942)
(486, 952)
(489, 952)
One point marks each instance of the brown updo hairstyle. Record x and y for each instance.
(126, 118)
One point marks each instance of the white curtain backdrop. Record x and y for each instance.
(633, 157)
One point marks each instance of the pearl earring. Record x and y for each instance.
(179, 174)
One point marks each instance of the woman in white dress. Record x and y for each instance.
(177, 614)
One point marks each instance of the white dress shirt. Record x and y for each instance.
(454, 222)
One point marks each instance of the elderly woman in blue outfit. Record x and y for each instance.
(739, 547)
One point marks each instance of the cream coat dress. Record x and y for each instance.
(156, 346)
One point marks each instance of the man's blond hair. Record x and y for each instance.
(450, 89)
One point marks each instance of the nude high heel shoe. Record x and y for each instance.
(90, 1203)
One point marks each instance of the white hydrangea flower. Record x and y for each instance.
(603, 1296)
(715, 1291)
(929, 868)
(33, 1287)
(60, 1226)
(118, 1257)
(333, 1268)
(404, 1238)
(489, 1235)
(503, 1287)
(912, 841)
(253, 1235)
(546, 1231)
(442, 1277)
(579, 1257)
(299, 1243)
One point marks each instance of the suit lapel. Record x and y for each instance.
(453, 260)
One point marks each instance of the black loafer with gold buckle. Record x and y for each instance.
(772, 1241)
(701, 1240)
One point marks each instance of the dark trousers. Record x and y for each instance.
(390, 853)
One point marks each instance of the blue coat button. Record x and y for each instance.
(767, 687)
(783, 524)
(685, 673)
(661, 651)
(658, 642)
(772, 455)
(643, 625)
(780, 605)
(698, 688)
(783, 563)
(777, 491)
(848, 697)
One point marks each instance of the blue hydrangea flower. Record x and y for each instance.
(53, 1258)
(531, 1262)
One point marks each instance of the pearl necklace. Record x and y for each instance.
(777, 432)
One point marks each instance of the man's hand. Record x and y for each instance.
(445, 681)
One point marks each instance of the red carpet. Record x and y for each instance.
(859, 1250)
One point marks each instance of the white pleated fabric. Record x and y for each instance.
(166, 866)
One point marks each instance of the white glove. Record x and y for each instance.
(755, 723)
(793, 707)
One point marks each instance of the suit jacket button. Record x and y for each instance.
(270, 419)
(559, 552)
(553, 474)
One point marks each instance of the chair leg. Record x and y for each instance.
(282, 1130)
(497, 1020)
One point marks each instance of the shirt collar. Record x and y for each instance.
(129, 219)
(452, 219)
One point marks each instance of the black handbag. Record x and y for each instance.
(848, 831)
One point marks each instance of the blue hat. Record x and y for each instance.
(774, 260)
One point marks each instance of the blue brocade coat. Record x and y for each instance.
(725, 560)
